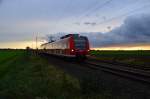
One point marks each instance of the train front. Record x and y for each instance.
(80, 46)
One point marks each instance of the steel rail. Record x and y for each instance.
(135, 74)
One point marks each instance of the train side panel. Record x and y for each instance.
(71, 45)
(62, 47)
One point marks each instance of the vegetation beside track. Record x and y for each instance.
(139, 58)
(24, 75)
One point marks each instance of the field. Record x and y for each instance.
(24, 75)
(138, 58)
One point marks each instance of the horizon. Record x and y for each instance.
(129, 47)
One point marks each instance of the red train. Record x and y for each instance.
(71, 45)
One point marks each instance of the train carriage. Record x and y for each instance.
(71, 45)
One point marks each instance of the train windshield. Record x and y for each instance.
(80, 43)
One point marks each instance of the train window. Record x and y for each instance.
(80, 43)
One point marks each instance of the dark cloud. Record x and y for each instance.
(136, 29)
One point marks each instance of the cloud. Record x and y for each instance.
(86, 23)
(135, 29)
(90, 23)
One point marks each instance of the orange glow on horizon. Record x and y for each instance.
(20, 45)
(143, 46)
(32, 44)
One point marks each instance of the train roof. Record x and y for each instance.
(65, 36)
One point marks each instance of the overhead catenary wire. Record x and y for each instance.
(101, 6)
(90, 7)
(95, 6)
(124, 14)
(120, 16)
(123, 7)
(92, 10)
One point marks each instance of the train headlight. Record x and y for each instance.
(72, 50)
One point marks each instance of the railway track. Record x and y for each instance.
(131, 73)
(127, 72)
(145, 68)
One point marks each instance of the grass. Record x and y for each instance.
(140, 58)
(5, 55)
(26, 76)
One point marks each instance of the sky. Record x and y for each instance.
(105, 22)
